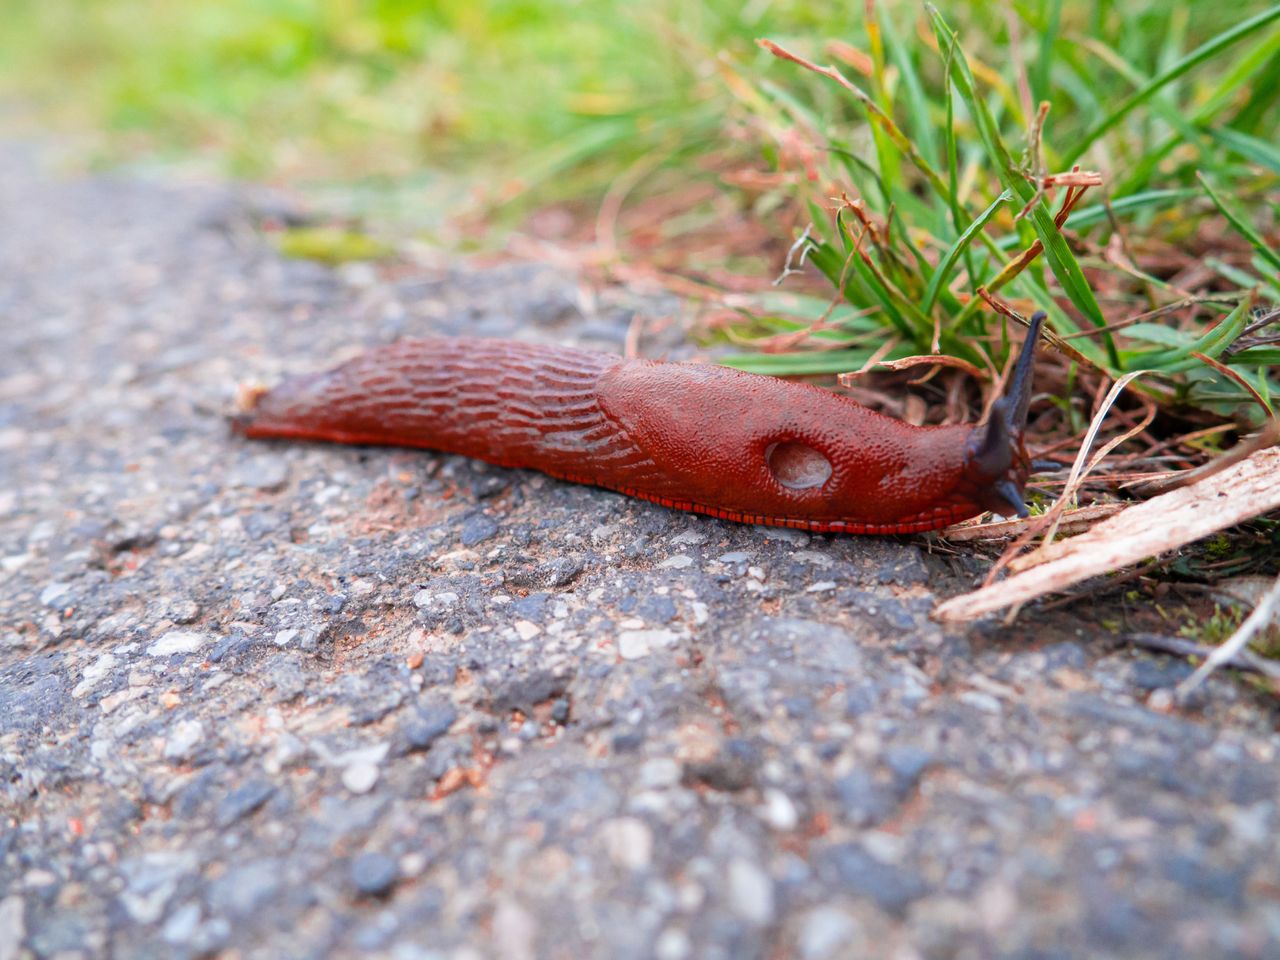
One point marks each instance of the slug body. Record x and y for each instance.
(689, 436)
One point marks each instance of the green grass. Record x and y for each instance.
(936, 135)
(1174, 106)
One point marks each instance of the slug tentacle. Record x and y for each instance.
(998, 460)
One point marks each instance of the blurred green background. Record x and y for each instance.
(348, 88)
(354, 88)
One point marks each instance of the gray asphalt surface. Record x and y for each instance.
(273, 700)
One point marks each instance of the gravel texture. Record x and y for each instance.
(273, 700)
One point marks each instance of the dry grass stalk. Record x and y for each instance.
(1236, 645)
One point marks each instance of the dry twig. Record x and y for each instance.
(1178, 646)
(1235, 645)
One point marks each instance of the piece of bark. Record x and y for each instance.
(1245, 490)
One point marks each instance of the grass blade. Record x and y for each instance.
(1245, 229)
(1057, 253)
(922, 126)
(937, 281)
(1197, 56)
(1048, 37)
(807, 364)
(1155, 199)
(1252, 149)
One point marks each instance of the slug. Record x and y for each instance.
(689, 436)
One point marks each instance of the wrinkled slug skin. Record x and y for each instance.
(690, 436)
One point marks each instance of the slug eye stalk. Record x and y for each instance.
(997, 458)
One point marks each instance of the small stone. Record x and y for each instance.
(183, 740)
(523, 691)
(908, 764)
(659, 773)
(288, 750)
(182, 924)
(476, 529)
(861, 699)
(982, 701)
(260, 473)
(151, 881)
(374, 703)
(637, 644)
(425, 598)
(429, 725)
(94, 673)
(488, 485)
(680, 561)
(750, 892)
(1206, 883)
(360, 777)
(786, 534)
(243, 801)
(14, 562)
(178, 641)
(1161, 701)
(560, 572)
(527, 630)
(864, 801)
(532, 608)
(285, 674)
(672, 944)
(824, 932)
(820, 560)
(514, 931)
(374, 874)
(889, 886)
(657, 609)
(732, 768)
(184, 611)
(246, 890)
(36, 878)
(629, 842)
(778, 811)
(13, 927)
(1159, 674)
(689, 538)
(54, 594)
(560, 711)
(628, 741)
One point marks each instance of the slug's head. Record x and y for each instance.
(996, 461)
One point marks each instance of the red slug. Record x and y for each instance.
(686, 435)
